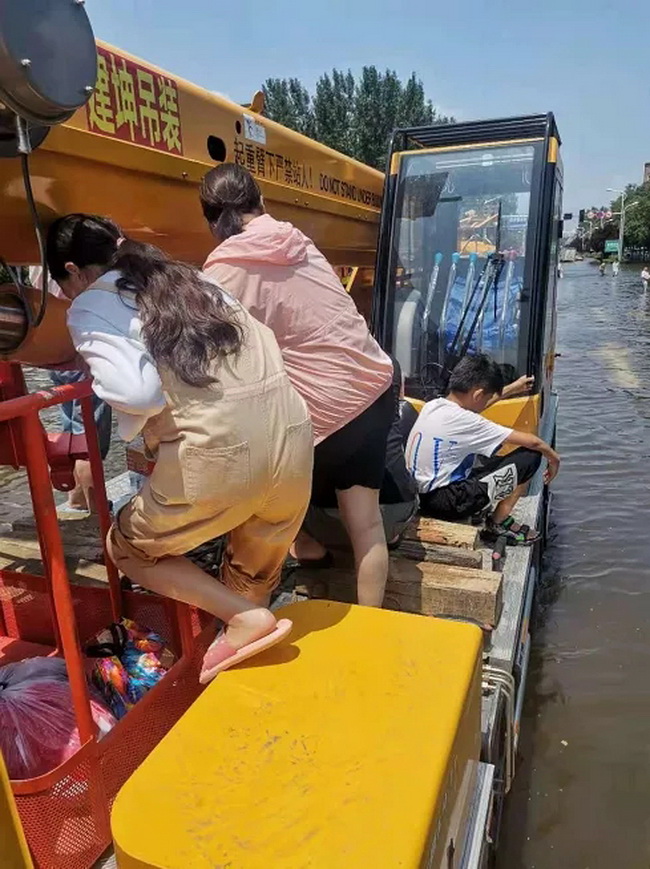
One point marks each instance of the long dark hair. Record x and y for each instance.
(185, 322)
(227, 193)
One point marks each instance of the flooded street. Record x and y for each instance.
(581, 797)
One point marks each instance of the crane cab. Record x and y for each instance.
(467, 253)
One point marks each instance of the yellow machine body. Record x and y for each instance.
(138, 149)
(49, 343)
(14, 853)
(518, 413)
(355, 743)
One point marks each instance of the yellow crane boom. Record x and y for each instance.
(137, 150)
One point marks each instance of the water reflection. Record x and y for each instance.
(581, 797)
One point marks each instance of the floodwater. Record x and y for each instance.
(581, 796)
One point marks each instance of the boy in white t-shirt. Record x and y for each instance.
(448, 438)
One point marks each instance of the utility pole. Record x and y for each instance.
(621, 223)
(621, 228)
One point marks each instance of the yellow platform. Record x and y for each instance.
(350, 745)
(14, 853)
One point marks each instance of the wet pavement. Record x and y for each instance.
(581, 797)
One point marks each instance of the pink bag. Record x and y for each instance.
(38, 731)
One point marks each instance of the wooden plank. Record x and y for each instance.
(440, 589)
(443, 533)
(418, 550)
(418, 587)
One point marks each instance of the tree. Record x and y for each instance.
(595, 232)
(415, 109)
(377, 100)
(601, 234)
(288, 102)
(637, 218)
(333, 107)
(301, 102)
(356, 117)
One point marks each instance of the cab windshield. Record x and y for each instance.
(458, 257)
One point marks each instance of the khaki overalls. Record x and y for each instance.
(232, 458)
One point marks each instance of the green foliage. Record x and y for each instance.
(637, 221)
(333, 107)
(601, 234)
(637, 218)
(288, 102)
(356, 117)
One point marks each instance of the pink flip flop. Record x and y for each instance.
(222, 655)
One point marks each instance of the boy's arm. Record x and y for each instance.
(532, 442)
(522, 386)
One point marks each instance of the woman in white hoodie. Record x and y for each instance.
(187, 366)
(330, 356)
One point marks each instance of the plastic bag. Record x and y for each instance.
(38, 730)
(131, 660)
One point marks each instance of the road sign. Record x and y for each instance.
(611, 246)
(608, 215)
(591, 215)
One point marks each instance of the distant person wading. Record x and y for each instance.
(645, 278)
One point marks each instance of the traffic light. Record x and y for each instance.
(581, 216)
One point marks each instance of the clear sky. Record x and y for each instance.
(586, 60)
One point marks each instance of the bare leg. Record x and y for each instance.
(177, 577)
(361, 516)
(77, 499)
(504, 508)
(305, 548)
(81, 497)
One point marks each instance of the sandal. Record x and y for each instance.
(514, 534)
(221, 655)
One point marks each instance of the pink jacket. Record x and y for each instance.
(285, 282)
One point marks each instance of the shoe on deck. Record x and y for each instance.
(221, 655)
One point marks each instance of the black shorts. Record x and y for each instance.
(488, 483)
(355, 455)
(324, 524)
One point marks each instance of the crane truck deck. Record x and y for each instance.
(374, 738)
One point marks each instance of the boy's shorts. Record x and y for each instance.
(488, 483)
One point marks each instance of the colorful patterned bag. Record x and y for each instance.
(130, 660)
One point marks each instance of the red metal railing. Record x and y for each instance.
(65, 812)
(26, 409)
